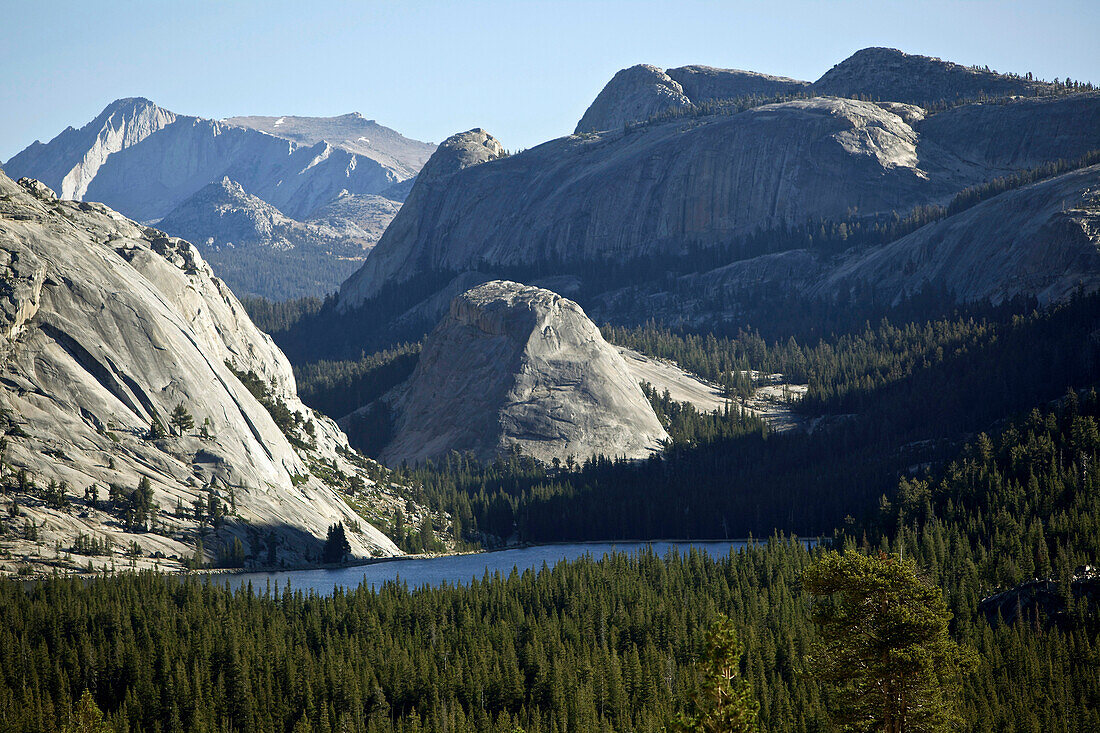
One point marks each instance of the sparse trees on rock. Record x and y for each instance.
(181, 419)
(156, 430)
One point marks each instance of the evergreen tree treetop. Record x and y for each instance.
(886, 645)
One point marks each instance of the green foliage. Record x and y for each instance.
(181, 419)
(86, 717)
(885, 644)
(336, 547)
(287, 420)
(723, 702)
(231, 554)
(156, 430)
(340, 387)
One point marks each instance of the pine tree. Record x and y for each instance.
(181, 419)
(156, 430)
(336, 544)
(886, 645)
(723, 703)
(86, 717)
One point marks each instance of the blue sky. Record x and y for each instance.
(523, 70)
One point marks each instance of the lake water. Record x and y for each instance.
(456, 569)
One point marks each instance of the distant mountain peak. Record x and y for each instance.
(70, 161)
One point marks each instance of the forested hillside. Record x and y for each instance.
(607, 644)
(885, 400)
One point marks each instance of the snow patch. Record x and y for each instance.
(280, 121)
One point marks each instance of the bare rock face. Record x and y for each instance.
(513, 366)
(693, 184)
(454, 155)
(460, 151)
(108, 327)
(71, 161)
(890, 75)
(705, 83)
(632, 95)
(1041, 240)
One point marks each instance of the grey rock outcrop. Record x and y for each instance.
(694, 184)
(454, 155)
(459, 152)
(513, 366)
(891, 75)
(706, 83)
(633, 94)
(1041, 240)
(108, 326)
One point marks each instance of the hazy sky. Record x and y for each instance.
(523, 70)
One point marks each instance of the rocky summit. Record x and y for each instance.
(126, 362)
(518, 367)
(633, 94)
(641, 92)
(888, 74)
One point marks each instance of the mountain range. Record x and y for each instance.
(803, 197)
(149, 163)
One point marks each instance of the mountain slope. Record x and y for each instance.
(258, 251)
(70, 162)
(1041, 240)
(689, 185)
(109, 326)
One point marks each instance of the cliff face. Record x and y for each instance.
(513, 366)
(686, 184)
(109, 326)
(1041, 240)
